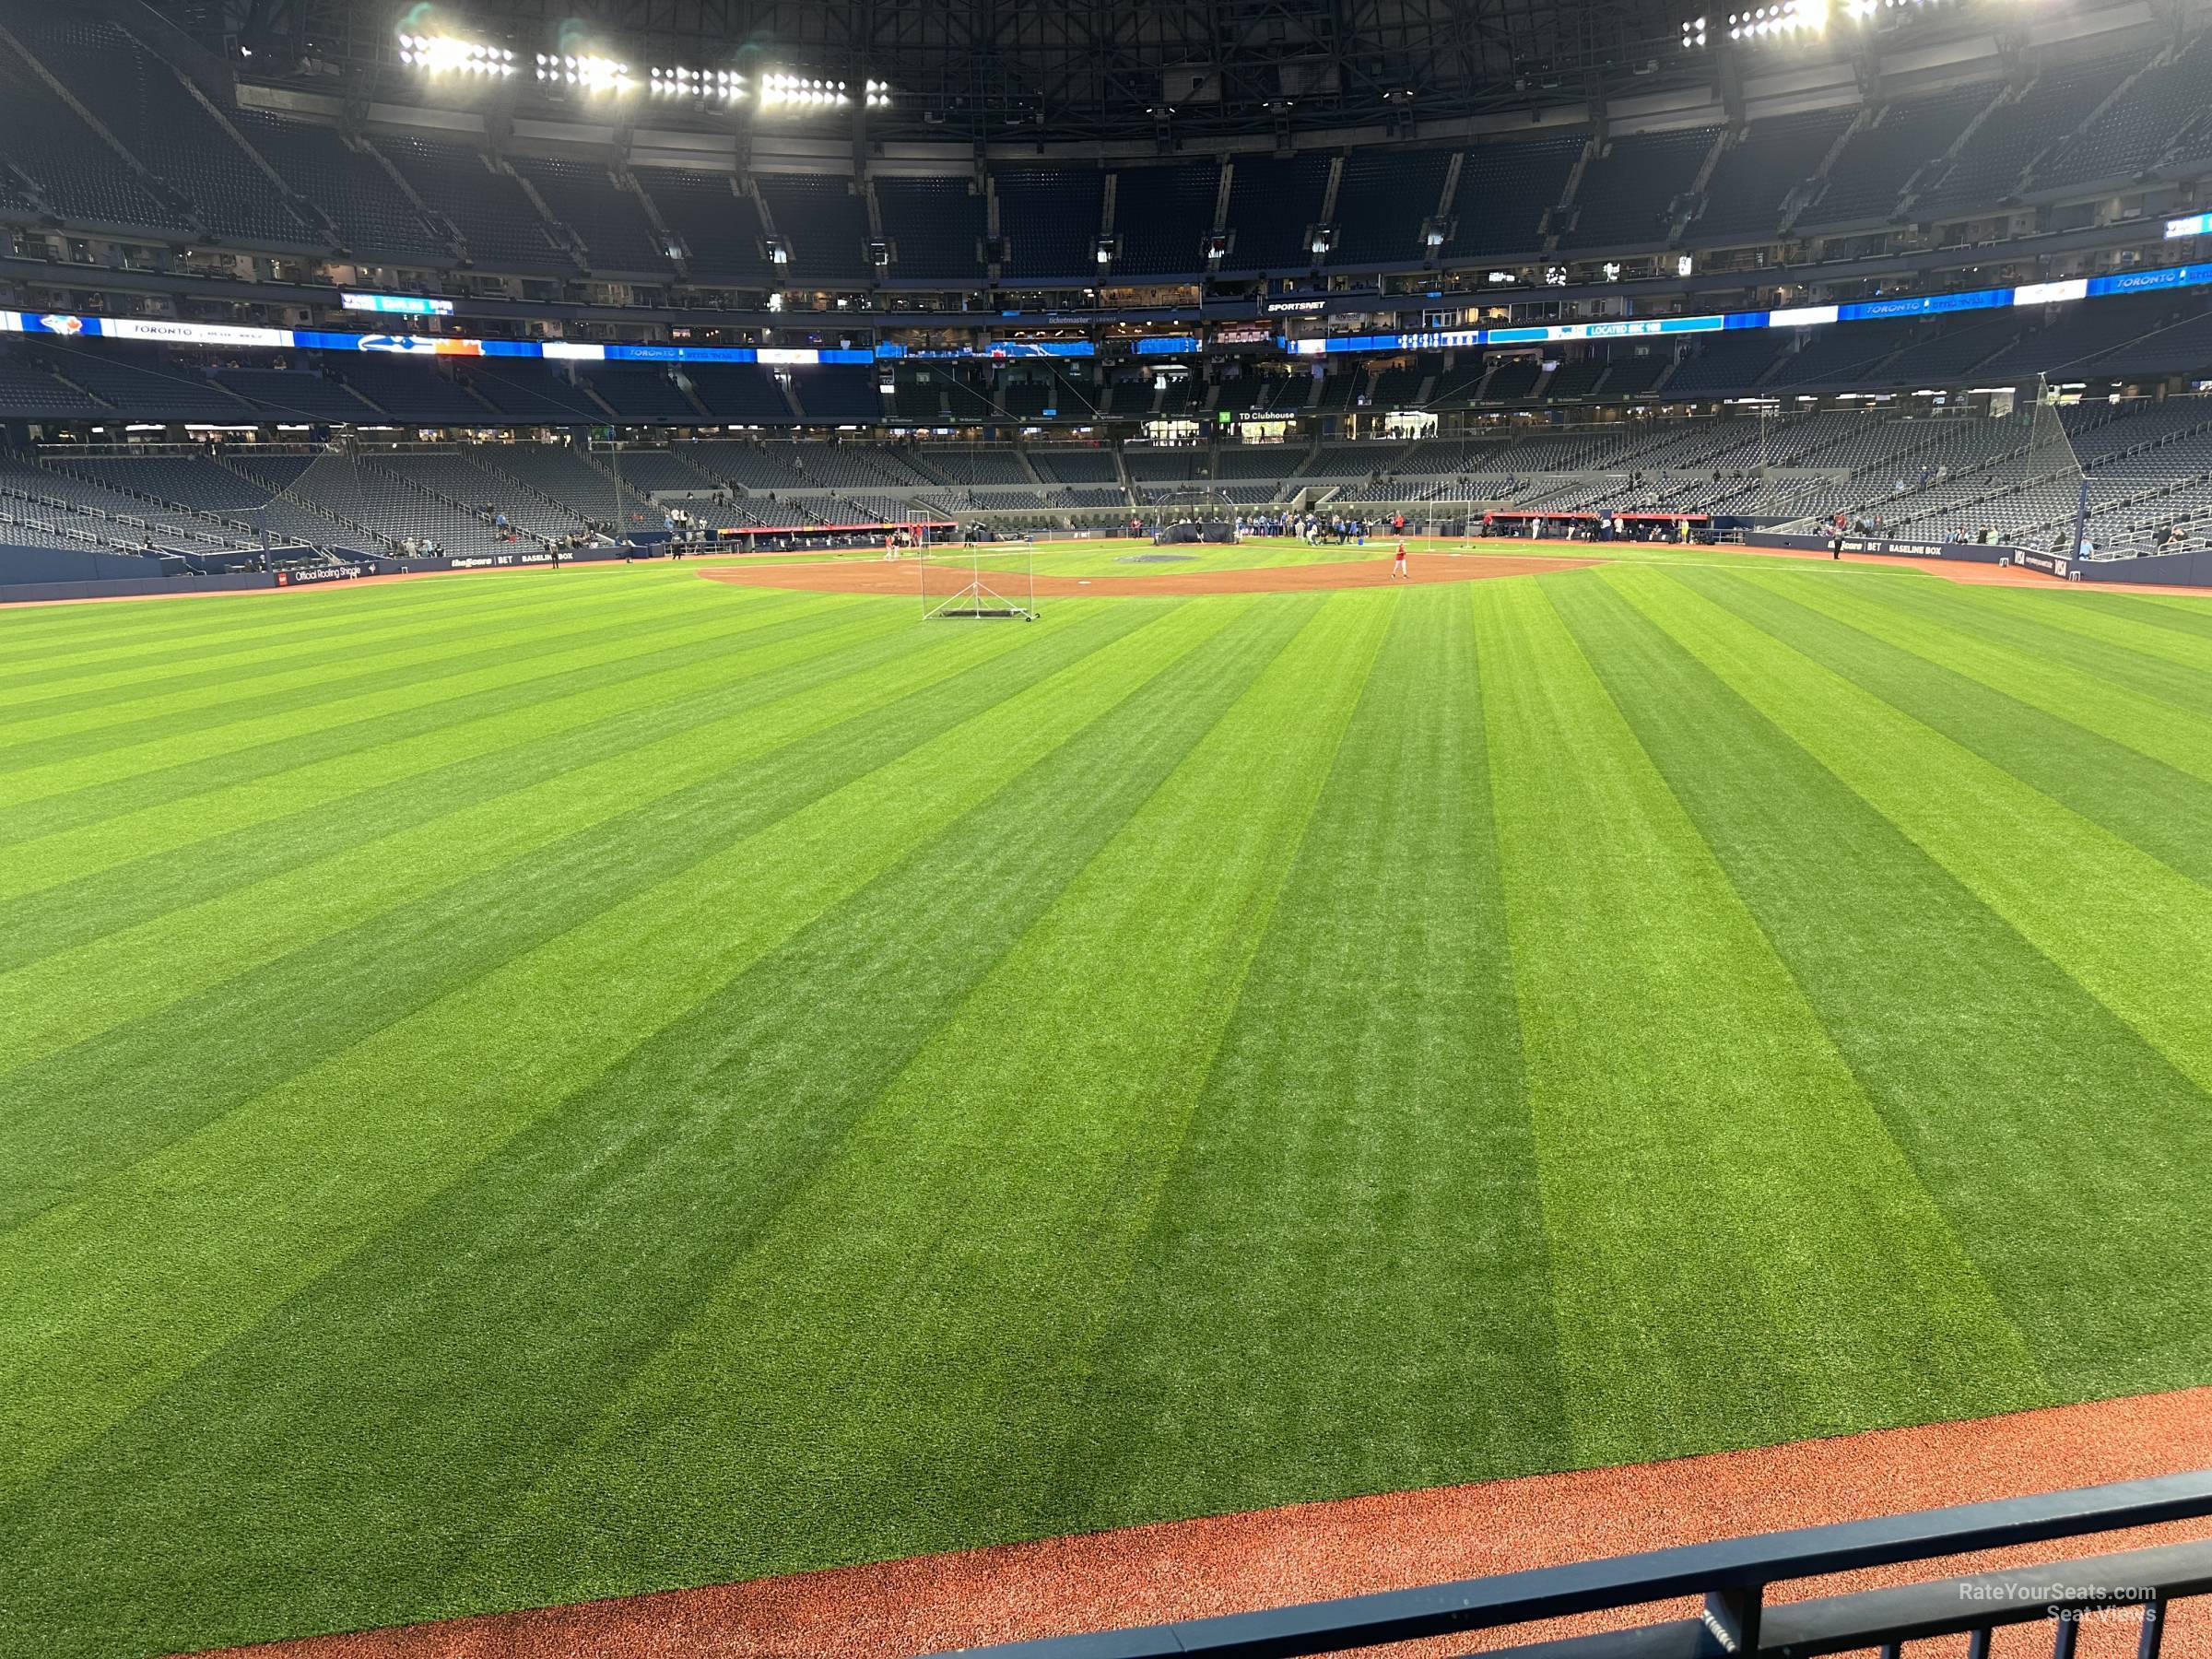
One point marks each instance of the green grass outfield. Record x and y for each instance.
(526, 1088)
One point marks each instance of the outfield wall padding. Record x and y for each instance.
(21, 564)
(29, 592)
(2192, 568)
(2154, 570)
(72, 575)
(1957, 552)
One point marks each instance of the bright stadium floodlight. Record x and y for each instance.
(781, 91)
(682, 81)
(588, 72)
(1693, 33)
(1783, 18)
(878, 95)
(438, 54)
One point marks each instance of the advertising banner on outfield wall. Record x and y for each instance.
(2153, 569)
(1966, 552)
(2156, 570)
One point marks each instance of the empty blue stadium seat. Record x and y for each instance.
(821, 221)
(935, 227)
(720, 227)
(1163, 215)
(1498, 208)
(496, 223)
(1051, 218)
(1272, 201)
(1626, 195)
(1753, 178)
(1382, 201)
(619, 238)
(138, 98)
(373, 218)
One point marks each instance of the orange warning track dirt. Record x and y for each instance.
(1186, 1568)
(874, 576)
(903, 577)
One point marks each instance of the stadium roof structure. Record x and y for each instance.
(1142, 71)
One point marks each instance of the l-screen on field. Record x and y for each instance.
(526, 1089)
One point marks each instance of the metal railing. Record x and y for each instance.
(1732, 1578)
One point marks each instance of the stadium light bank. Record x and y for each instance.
(1785, 18)
(440, 55)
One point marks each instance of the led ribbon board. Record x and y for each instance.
(404, 305)
(161, 331)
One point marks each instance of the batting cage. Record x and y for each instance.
(1193, 515)
(980, 581)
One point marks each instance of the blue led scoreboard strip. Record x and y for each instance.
(158, 331)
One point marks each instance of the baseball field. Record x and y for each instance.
(525, 1087)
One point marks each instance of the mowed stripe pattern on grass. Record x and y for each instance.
(519, 1091)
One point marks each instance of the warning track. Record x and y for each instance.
(902, 578)
(1230, 1564)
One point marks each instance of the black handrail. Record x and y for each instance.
(1732, 1575)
